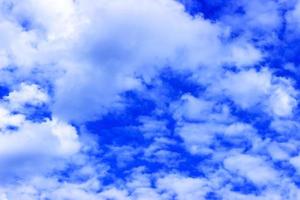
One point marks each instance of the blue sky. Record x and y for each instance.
(149, 100)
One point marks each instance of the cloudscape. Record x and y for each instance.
(149, 100)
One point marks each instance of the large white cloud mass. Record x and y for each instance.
(110, 43)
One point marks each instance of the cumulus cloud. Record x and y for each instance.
(28, 143)
(26, 95)
(131, 99)
(247, 88)
(70, 36)
(282, 103)
(253, 168)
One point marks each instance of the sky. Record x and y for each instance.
(149, 100)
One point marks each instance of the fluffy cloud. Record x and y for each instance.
(247, 88)
(77, 78)
(27, 142)
(253, 168)
(111, 47)
(282, 103)
(183, 187)
(26, 95)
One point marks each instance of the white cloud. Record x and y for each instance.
(26, 94)
(82, 46)
(105, 43)
(252, 89)
(165, 187)
(239, 129)
(7, 119)
(49, 17)
(198, 137)
(162, 34)
(285, 127)
(293, 18)
(247, 88)
(282, 103)
(269, 195)
(17, 47)
(183, 187)
(51, 138)
(90, 52)
(23, 143)
(278, 151)
(244, 54)
(194, 108)
(153, 127)
(254, 168)
(295, 161)
(254, 17)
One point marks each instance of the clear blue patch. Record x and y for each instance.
(209, 9)
(213, 196)
(26, 24)
(245, 187)
(4, 91)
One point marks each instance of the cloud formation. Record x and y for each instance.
(149, 99)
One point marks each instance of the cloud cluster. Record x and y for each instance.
(149, 99)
